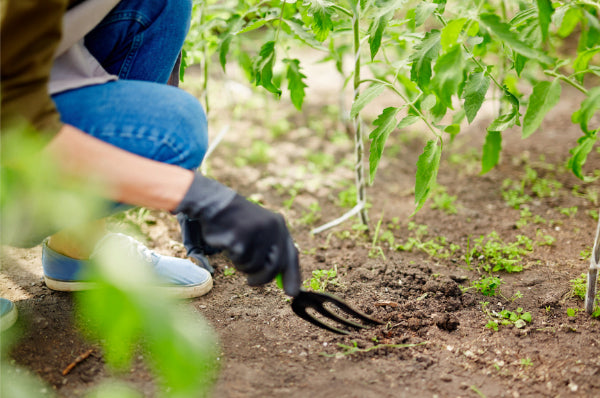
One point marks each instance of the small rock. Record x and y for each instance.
(446, 378)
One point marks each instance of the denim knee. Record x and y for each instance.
(192, 133)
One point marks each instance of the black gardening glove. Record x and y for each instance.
(255, 239)
(193, 241)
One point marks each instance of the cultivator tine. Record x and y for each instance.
(316, 301)
(590, 293)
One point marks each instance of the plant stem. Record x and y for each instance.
(567, 80)
(361, 195)
(280, 20)
(409, 103)
(342, 10)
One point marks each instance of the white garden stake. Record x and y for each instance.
(590, 294)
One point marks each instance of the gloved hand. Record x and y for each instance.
(193, 241)
(255, 239)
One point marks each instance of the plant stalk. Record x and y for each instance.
(361, 194)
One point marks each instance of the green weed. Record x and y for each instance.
(257, 154)
(228, 271)
(544, 239)
(321, 278)
(445, 202)
(517, 318)
(312, 215)
(494, 255)
(568, 211)
(488, 286)
(593, 214)
(438, 247)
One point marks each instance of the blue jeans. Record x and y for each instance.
(139, 41)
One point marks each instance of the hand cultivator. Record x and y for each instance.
(590, 294)
(316, 301)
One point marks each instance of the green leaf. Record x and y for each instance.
(510, 38)
(427, 169)
(422, 12)
(579, 155)
(451, 32)
(474, 93)
(448, 74)
(567, 19)
(296, 84)
(544, 97)
(263, 68)
(545, 11)
(305, 36)
(386, 123)
(425, 52)
(321, 11)
(408, 121)
(368, 95)
(582, 61)
(504, 121)
(491, 151)
(589, 106)
(234, 23)
(376, 33)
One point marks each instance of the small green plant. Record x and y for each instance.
(257, 154)
(593, 214)
(312, 215)
(543, 239)
(568, 211)
(445, 202)
(494, 255)
(488, 286)
(321, 278)
(517, 318)
(347, 197)
(579, 286)
(322, 161)
(572, 312)
(544, 188)
(228, 271)
(526, 362)
(513, 194)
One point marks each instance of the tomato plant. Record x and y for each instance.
(442, 59)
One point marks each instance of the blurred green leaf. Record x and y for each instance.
(544, 97)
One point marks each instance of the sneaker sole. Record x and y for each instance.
(8, 319)
(173, 291)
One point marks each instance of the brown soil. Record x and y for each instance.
(268, 351)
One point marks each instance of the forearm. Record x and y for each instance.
(126, 177)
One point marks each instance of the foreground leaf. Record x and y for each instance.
(386, 123)
(263, 68)
(296, 83)
(321, 12)
(510, 38)
(545, 11)
(491, 151)
(364, 98)
(427, 169)
(425, 53)
(579, 155)
(588, 108)
(544, 97)
(474, 93)
(376, 33)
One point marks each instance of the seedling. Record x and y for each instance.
(544, 239)
(257, 154)
(568, 211)
(593, 214)
(443, 201)
(321, 278)
(517, 318)
(526, 362)
(436, 247)
(488, 286)
(312, 215)
(228, 271)
(495, 255)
